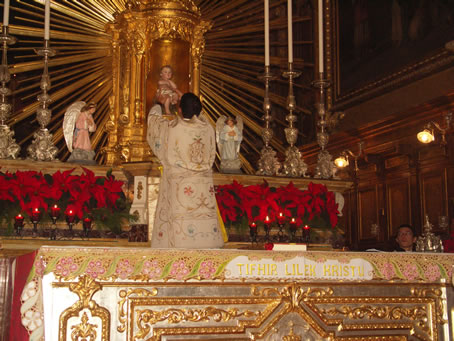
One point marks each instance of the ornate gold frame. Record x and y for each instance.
(134, 34)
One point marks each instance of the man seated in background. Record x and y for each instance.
(406, 238)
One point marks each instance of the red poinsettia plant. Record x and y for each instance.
(315, 205)
(99, 197)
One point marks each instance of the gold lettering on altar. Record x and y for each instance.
(302, 268)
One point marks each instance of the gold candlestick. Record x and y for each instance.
(325, 167)
(9, 149)
(42, 148)
(294, 165)
(268, 163)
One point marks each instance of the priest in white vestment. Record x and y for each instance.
(186, 215)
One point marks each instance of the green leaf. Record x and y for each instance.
(221, 268)
(397, 270)
(166, 269)
(138, 267)
(379, 274)
(195, 269)
(443, 272)
(112, 267)
(51, 266)
(420, 271)
(82, 267)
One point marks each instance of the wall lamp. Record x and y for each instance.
(427, 134)
(342, 160)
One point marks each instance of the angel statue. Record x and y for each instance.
(229, 133)
(78, 123)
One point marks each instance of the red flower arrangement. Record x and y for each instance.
(448, 244)
(100, 197)
(315, 206)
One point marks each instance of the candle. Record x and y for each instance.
(307, 227)
(320, 36)
(253, 228)
(46, 19)
(55, 212)
(87, 223)
(267, 33)
(6, 13)
(290, 31)
(36, 215)
(19, 220)
(281, 218)
(70, 216)
(267, 220)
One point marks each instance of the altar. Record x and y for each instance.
(75, 293)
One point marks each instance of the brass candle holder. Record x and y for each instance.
(268, 163)
(294, 165)
(42, 147)
(9, 149)
(325, 167)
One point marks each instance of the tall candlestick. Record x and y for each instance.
(320, 36)
(267, 32)
(290, 31)
(6, 13)
(46, 19)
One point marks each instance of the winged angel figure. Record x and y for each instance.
(229, 134)
(78, 123)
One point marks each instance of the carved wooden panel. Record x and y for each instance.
(434, 201)
(399, 208)
(367, 211)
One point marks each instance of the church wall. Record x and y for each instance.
(400, 180)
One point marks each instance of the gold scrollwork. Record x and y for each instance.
(147, 317)
(84, 330)
(85, 288)
(435, 293)
(125, 295)
(139, 190)
(292, 293)
(388, 313)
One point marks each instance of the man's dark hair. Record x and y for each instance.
(408, 226)
(190, 105)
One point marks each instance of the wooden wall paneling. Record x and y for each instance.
(450, 186)
(368, 199)
(434, 200)
(398, 204)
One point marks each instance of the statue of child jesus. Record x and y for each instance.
(167, 93)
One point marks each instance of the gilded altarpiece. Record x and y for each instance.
(146, 36)
(143, 294)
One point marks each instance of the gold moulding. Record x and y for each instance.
(286, 310)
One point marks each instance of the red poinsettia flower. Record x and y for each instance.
(260, 196)
(40, 192)
(229, 202)
(24, 184)
(62, 182)
(5, 186)
(332, 208)
(112, 190)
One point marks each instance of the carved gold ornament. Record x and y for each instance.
(85, 288)
(84, 330)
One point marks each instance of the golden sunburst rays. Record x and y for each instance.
(234, 60)
(81, 69)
